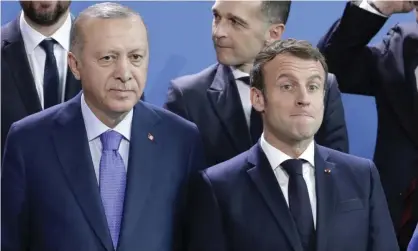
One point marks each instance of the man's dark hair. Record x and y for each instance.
(298, 48)
(276, 12)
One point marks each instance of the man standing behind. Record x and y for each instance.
(288, 193)
(389, 72)
(217, 99)
(34, 69)
(101, 171)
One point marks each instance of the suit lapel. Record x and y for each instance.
(70, 139)
(15, 54)
(144, 154)
(325, 173)
(264, 179)
(224, 97)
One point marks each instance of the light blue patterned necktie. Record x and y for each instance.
(112, 182)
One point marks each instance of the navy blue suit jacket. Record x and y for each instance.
(50, 196)
(210, 99)
(238, 206)
(387, 72)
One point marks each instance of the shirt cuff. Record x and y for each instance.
(366, 6)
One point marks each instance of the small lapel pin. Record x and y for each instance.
(327, 170)
(150, 137)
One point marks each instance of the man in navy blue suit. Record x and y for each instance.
(217, 99)
(388, 72)
(26, 86)
(101, 171)
(288, 193)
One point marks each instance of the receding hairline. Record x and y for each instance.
(101, 11)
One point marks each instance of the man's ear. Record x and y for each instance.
(257, 99)
(74, 65)
(275, 32)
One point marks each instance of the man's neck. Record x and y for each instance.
(291, 148)
(245, 67)
(47, 31)
(110, 119)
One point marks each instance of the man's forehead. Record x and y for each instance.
(236, 7)
(286, 63)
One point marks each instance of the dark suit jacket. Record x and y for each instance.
(210, 99)
(386, 72)
(238, 206)
(50, 196)
(19, 97)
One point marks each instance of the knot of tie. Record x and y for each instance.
(293, 166)
(110, 140)
(48, 45)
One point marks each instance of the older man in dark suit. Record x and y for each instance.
(101, 171)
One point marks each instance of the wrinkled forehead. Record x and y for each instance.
(129, 29)
(289, 65)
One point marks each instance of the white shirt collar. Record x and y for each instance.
(33, 38)
(277, 157)
(238, 73)
(95, 127)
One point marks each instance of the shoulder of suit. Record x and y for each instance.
(7, 31)
(229, 168)
(39, 122)
(331, 80)
(399, 33)
(345, 159)
(200, 80)
(407, 29)
(168, 118)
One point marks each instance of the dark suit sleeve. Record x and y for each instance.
(382, 233)
(175, 102)
(204, 230)
(348, 56)
(14, 215)
(333, 131)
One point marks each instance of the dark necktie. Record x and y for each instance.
(299, 203)
(256, 123)
(51, 75)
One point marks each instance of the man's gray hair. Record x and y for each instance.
(102, 11)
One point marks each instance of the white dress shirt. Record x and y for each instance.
(37, 56)
(244, 93)
(94, 128)
(366, 6)
(277, 157)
